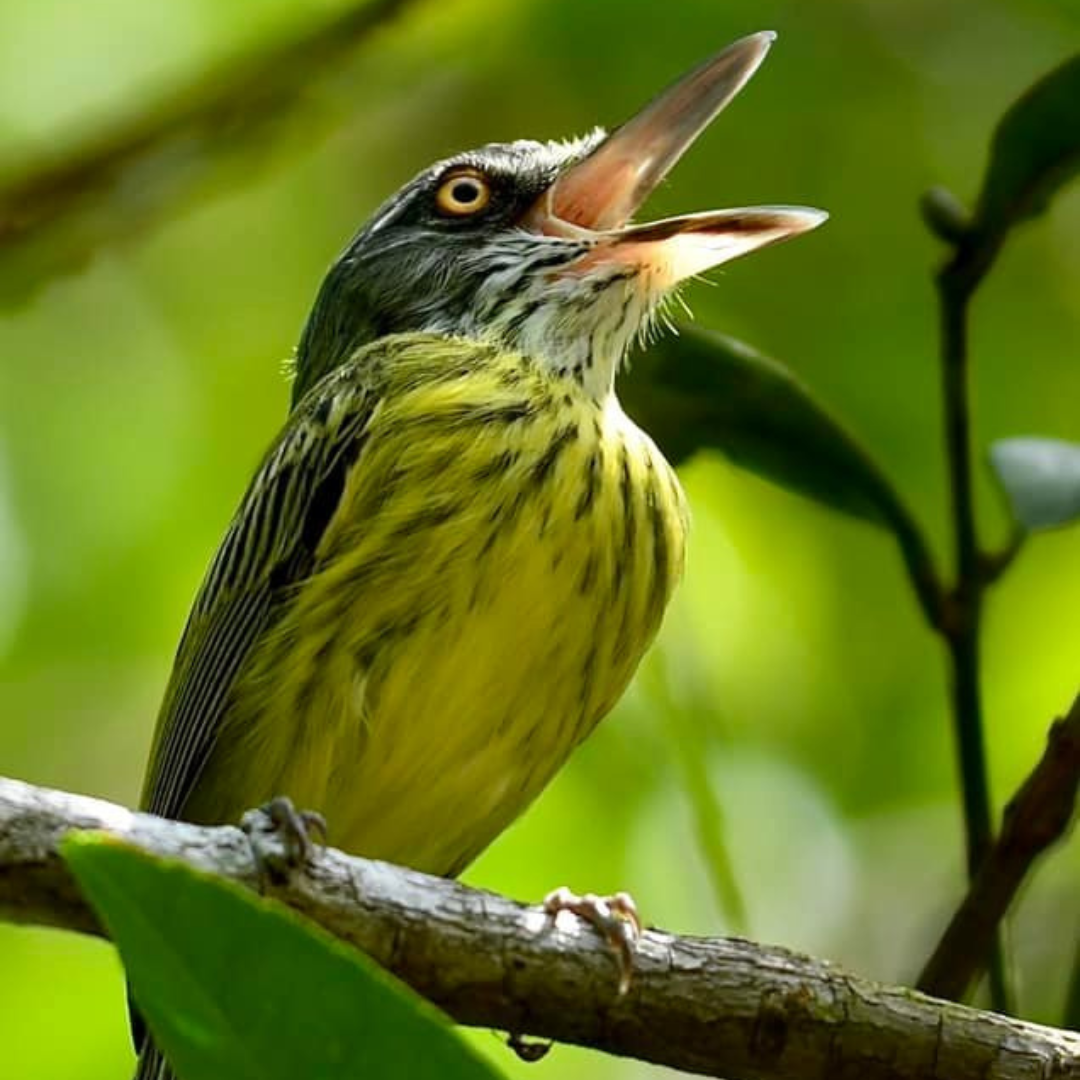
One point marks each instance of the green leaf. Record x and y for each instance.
(1041, 478)
(234, 987)
(701, 390)
(1035, 150)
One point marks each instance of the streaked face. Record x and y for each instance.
(529, 244)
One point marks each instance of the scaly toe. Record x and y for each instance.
(615, 918)
(281, 838)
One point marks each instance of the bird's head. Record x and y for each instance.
(530, 244)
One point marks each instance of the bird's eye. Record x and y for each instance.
(462, 194)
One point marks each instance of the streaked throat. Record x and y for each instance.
(580, 323)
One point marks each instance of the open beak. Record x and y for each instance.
(597, 197)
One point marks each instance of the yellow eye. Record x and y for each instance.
(463, 193)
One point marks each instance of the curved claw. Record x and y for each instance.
(281, 837)
(615, 918)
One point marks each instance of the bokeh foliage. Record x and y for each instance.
(136, 396)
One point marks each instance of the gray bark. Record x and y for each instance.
(717, 1006)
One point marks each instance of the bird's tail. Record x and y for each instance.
(152, 1064)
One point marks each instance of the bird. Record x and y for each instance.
(455, 553)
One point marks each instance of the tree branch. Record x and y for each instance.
(721, 1007)
(54, 215)
(1039, 814)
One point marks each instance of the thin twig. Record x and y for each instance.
(720, 1007)
(995, 563)
(130, 174)
(957, 282)
(1039, 814)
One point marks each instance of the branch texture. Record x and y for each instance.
(720, 1007)
(1039, 814)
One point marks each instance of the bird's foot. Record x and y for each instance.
(615, 918)
(281, 838)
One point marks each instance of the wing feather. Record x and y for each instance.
(269, 549)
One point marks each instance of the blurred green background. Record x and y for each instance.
(137, 395)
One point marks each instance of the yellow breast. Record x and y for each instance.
(500, 561)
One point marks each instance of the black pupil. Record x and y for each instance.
(465, 191)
